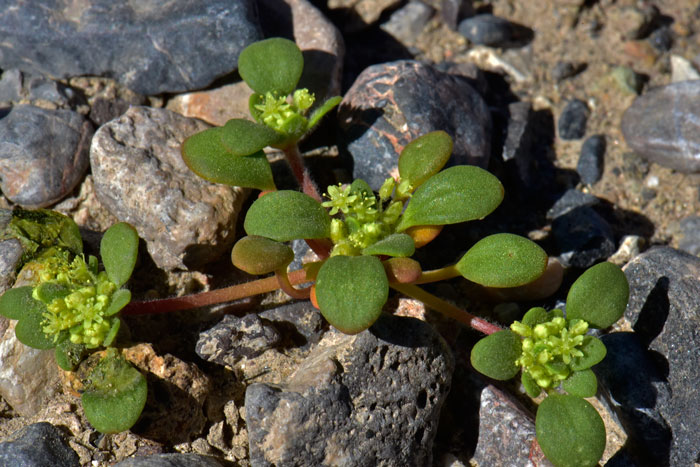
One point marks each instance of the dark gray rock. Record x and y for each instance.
(43, 154)
(591, 161)
(140, 177)
(406, 23)
(11, 252)
(234, 338)
(573, 119)
(690, 231)
(494, 31)
(364, 400)
(299, 323)
(583, 237)
(662, 39)
(452, 11)
(149, 48)
(38, 445)
(11, 85)
(563, 70)
(391, 104)
(571, 199)
(171, 460)
(663, 126)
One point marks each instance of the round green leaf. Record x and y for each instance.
(116, 395)
(599, 296)
(29, 328)
(14, 302)
(287, 215)
(273, 65)
(594, 352)
(458, 194)
(581, 384)
(242, 137)
(119, 249)
(120, 299)
(495, 355)
(503, 260)
(569, 431)
(535, 316)
(260, 255)
(424, 157)
(531, 387)
(351, 291)
(397, 245)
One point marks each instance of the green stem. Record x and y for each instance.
(435, 275)
(446, 308)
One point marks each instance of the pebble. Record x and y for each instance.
(150, 49)
(494, 31)
(518, 131)
(573, 119)
(43, 154)
(663, 126)
(452, 11)
(376, 395)
(591, 161)
(630, 247)
(690, 231)
(11, 252)
(391, 104)
(139, 176)
(571, 199)
(584, 238)
(38, 445)
(406, 23)
(564, 70)
(171, 460)
(16, 86)
(683, 70)
(627, 80)
(662, 39)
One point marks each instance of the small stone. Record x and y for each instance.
(518, 133)
(171, 460)
(43, 154)
(299, 323)
(662, 39)
(11, 85)
(452, 11)
(663, 126)
(590, 162)
(627, 80)
(682, 70)
(38, 445)
(690, 231)
(583, 237)
(494, 31)
(564, 70)
(361, 13)
(573, 119)
(630, 247)
(406, 23)
(642, 53)
(571, 199)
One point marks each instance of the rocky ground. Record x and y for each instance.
(537, 92)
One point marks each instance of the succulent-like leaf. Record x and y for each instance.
(569, 431)
(594, 352)
(205, 154)
(116, 395)
(503, 260)
(581, 383)
(287, 215)
(424, 157)
(535, 316)
(599, 295)
(398, 245)
(14, 302)
(242, 137)
(531, 387)
(350, 291)
(120, 299)
(29, 328)
(402, 270)
(49, 291)
(495, 355)
(322, 110)
(112, 333)
(272, 65)
(68, 355)
(260, 255)
(119, 249)
(423, 234)
(458, 194)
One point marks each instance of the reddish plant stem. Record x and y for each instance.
(288, 288)
(300, 172)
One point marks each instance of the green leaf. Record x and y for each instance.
(68, 355)
(260, 255)
(359, 187)
(120, 299)
(112, 333)
(594, 352)
(458, 194)
(242, 137)
(599, 296)
(205, 154)
(495, 355)
(398, 245)
(287, 215)
(503, 260)
(531, 387)
(351, 291)
(273, 65)
(29, 328)
(569, 431)
(424, 157)
(69, 236)
(535, 316)
(115, 396)
(322, 110)
(119, 249)
(581, 384)
(14, 302)
(47, 292)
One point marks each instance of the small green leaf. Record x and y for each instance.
(287, 215)
(70, 237)
(361, 187)
(14, 302)
(120, 299)
(599, 296)
(351, 291)
(569, 431)
(424, 157)
(112, 333)
(68, 355)
(29, 328)
(594, 352)
(322, 110)
(503, 260)
(581, 384)
(115, 396)
(458, 194)
(272, 65)
(47, 292)
(535, 316)
(495, 355)
(119, 249)
(205, 154)
(531, 387)
(398, 245)
(260, 255)
(242, 137)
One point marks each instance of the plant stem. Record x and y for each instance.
(446, 308)
(435, 275)
(300, 172)
(288, 288)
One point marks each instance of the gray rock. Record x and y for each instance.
(571, 199)
(518, 133)
(590, 162)
(38, 445)
(663, 126)
(11, 85)
(452, 11)
(690, 229)
(406, 23)
(140, 178)
(573, 119)
(393, 103)
(493, 31)
(563, 70)
(149, 48)
(11, 252)
(364, 400)
(171, 460)
(299, 323)
(43, 154)
(583, 237)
